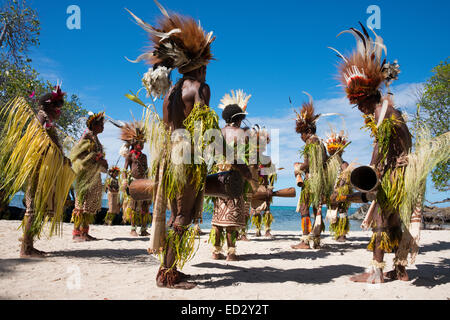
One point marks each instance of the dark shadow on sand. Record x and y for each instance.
(431, 274)
(271, 275)
(138, 256)
(129, 239)
(285, 255)
(8, 266)
(437, 246)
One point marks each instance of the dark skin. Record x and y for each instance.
(96, 128)
(27, 249)
(139, 169)
(139, 165)
(113, 187)
(308, 137)
(177, 106)
(401, 144)
(233, 133)
(341, 183)
(176, 111)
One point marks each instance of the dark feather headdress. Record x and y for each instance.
(363, 72)
(178, 43)
(307, 118)
(94, 118)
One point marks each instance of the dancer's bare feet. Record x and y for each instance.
(268, 235)
(78, 238)
(399, 273)
(178, 281)
(243, 238)
(32, 253)
(144, 233)
(341, 239)
(258, 234)
(133, 233)
(183, 285)
(218, 256)
(301, 245)
(368, 277)
(232, 257)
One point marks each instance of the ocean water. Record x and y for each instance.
(285, 218)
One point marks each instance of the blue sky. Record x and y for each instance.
(272, 50)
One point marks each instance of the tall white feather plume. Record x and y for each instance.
(340, 54)
(239, 97)
(161, 8)
(378, 46)
(359, 43)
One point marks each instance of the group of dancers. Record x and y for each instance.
(32, 157)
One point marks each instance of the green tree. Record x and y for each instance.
(433, 110)
(19, 32)
(20, 29)
(19, 25)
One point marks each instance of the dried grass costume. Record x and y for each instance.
(265, 173)
(31, 158)
(338, 185)
(362, 75)
(112, 189)
(313, 168)
(229, 213)
(86, 157)
(178, 43)
(137, 212)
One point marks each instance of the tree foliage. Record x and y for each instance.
(21, 27)
(433, 111)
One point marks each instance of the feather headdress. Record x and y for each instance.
(234, 106)
(238, 97)
(178, 43)
(363, 72)
(307, 118)
(133, 132)
(336, 141)
(95, 117)
(57, 94)
(114, 170)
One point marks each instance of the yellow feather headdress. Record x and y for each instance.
(336, 141)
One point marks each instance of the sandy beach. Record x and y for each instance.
(119, 267)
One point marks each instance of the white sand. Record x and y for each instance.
(118, 267)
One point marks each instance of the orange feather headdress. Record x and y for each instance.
(178, 43)
(307, 118)
(363, 72)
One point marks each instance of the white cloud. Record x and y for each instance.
(110, 139)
